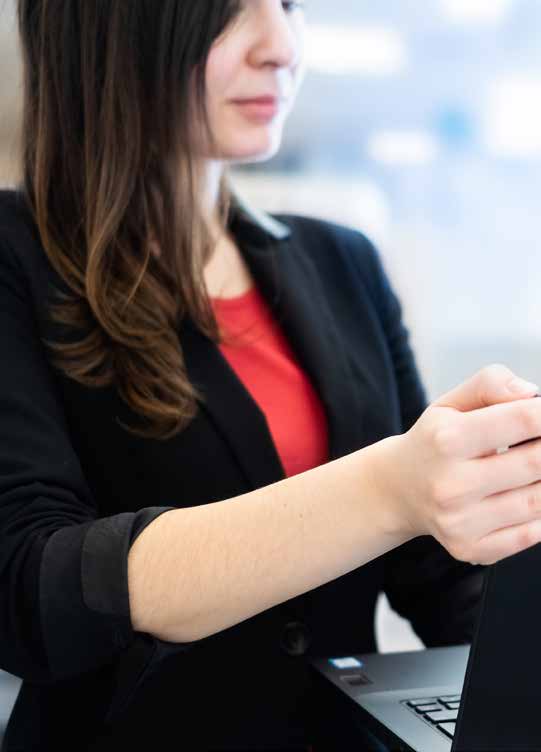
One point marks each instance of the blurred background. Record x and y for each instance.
(419, 123)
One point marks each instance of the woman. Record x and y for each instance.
(190, 511)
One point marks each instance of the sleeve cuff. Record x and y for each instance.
(84, 595)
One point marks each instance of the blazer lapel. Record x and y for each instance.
(231, 408)
(289, 282)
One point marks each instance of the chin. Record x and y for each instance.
(259, 156)
(261, 150)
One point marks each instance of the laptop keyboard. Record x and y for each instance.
(439, 712)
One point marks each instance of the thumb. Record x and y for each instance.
(489, 386)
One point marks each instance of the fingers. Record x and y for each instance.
(483, 431)
(506, 542)
(503, 472)
(522, 505)
(491, 385)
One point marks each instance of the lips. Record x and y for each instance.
(258, 111)
(258, 100)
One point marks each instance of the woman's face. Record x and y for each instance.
(260, 54)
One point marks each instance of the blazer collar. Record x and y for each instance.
(288, 280)
(260, 225)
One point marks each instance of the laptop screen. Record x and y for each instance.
(501, 700)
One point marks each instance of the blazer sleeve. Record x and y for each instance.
(64, 603)
(439, 595)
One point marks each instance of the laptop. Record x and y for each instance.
(480, 698)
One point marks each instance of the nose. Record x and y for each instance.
(277, 42)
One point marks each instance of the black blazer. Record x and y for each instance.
(76, 490)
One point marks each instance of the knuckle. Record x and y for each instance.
(525, 538)
(527, 419)
(533, 461)
(532, 502)
(440, 493)
(445, 439)
(494, 373)
(446, 493)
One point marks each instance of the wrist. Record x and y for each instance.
(382, 462)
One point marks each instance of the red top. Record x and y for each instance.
(264, 362)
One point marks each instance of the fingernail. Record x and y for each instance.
(520, 386)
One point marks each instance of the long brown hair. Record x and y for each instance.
(108, 171)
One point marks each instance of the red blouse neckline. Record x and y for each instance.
(238, 300)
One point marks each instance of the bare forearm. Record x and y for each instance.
(196, 571)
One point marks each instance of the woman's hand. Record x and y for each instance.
(449, 478)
